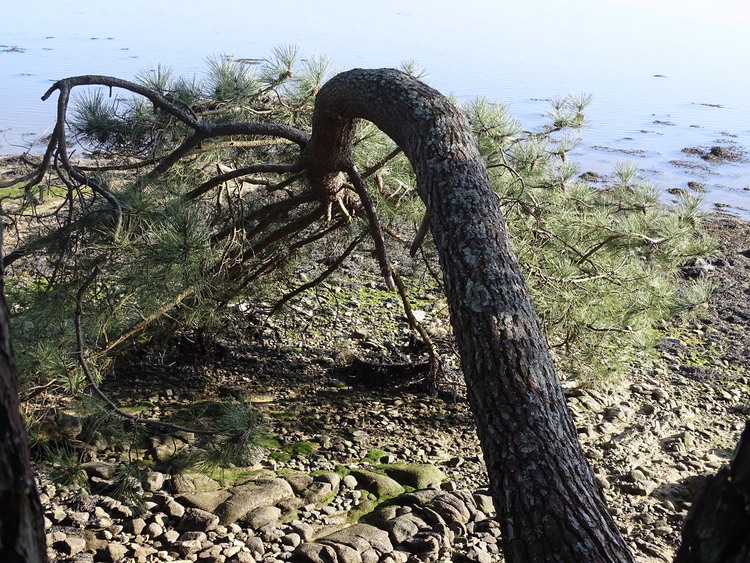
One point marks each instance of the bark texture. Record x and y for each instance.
(717, 528)
(549, 505)
(21, 523)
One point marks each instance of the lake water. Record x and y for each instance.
(665, 75)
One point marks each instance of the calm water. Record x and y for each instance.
(665, 75)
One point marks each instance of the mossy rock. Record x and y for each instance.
(416, 475)
(382, 486)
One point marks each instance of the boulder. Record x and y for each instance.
(260, 517)
(207, 501)
(417, 475)
(361, 537)
(254, 494)
(185, 483)
(198, 520)
(377, 484)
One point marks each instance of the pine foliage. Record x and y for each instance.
(602, 261)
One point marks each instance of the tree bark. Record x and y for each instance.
(548, 503)
(21, 523)
(717, 528)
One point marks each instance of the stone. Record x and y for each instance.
(349, 482)
(299, 482)
(174, 509)
(304, 529)
(255, 545)
(361, 537)
(269, 533)
(292, 539)
(185, 483)
(193, 535)
(318, 492)
(403, 528)
(99, 469)
(171, 536)
(154, 530)
(379, 485)
(197, 519)
(188, 547)
(314, 553)
(134, 526)
(249, 496)
(346, 554)
(451, 508)
(484, 503)
(207, 500)
(416, 475)
(71, 545)
(153, 481)
(115, 552)
(261, 516)
(333, 478)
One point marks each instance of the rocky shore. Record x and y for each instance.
(370, 467)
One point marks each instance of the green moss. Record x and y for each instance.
(374, 456)
(301, 448)
(230, 476)
(368, 503)
(282, 457)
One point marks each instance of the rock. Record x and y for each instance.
(249, 496)
(346, 554)
(403, 528)
(193, 483)
(304, 529)
(255, 545)
(314, 553)
(154, 530)
(292, 539)
(171, 536)
(361, 537)
(99, 469)
(260, 517)
(417, 475)
(379, 485)
(484, 503)
(426, 546)
(299, 482)
(333, 478)
(318, 492)
(642, 488)
(188, 547)
(153, 481)
(174, 509)
(135, 526)
(197, 519)
(71, 545)
(115, 552)
(349, 482)
(208, 501)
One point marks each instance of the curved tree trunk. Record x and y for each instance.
(21, 525)
(548, 504)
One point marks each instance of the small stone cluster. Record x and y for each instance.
(301, 517)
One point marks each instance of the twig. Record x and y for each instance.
(436, 367)
(81, 357)
(305, 286)
(375, 228)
